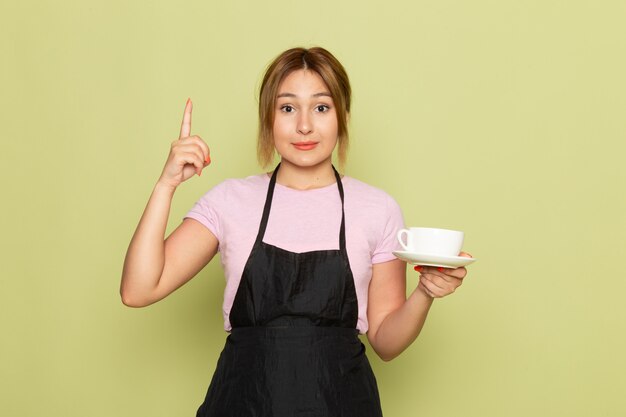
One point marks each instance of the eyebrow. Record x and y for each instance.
(322, 94)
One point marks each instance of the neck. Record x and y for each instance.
(305, 178)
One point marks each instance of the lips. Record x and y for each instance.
(305, 146)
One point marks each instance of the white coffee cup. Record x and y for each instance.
(430, 241)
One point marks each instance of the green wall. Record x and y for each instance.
(501, 118)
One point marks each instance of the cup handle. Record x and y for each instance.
(400, 233)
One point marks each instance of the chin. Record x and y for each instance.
(305, 162)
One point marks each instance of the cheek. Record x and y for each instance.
(281, 135)
(333, 124)
(279, 138)
(333, 130)
(280, 128)
(276, 134)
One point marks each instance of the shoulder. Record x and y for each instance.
(366, 194)
(235, 189)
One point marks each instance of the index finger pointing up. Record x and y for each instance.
(185, 128)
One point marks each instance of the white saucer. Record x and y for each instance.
(433, 260)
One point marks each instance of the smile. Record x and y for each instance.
(305, 146)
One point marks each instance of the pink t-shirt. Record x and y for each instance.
(300, 221)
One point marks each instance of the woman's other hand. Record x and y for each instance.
(188, 154)
(437, 282)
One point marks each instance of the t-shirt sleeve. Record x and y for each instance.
(388, 242)
(206, 211)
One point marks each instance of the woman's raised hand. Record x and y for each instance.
(188, 154)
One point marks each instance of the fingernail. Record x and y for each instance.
(199, 172)
(417, 268)
(208, 159)
(440, 269)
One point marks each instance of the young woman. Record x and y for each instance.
(306, 254)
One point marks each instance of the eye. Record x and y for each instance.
(322, 108)
(287, 108)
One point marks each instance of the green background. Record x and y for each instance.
(504, 119)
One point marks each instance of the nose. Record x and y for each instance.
(305, 125)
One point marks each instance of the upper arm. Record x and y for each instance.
(387, 293)
(188, 249)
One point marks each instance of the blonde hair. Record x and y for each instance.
(329, 69)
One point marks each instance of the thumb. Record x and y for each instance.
(465, 255)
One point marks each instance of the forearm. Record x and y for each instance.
(145, 257)
(401, 327)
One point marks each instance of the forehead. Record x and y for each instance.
(304, 81)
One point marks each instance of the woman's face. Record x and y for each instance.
(305, 121)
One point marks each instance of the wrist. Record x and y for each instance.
(421, 293)
(164, 188)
